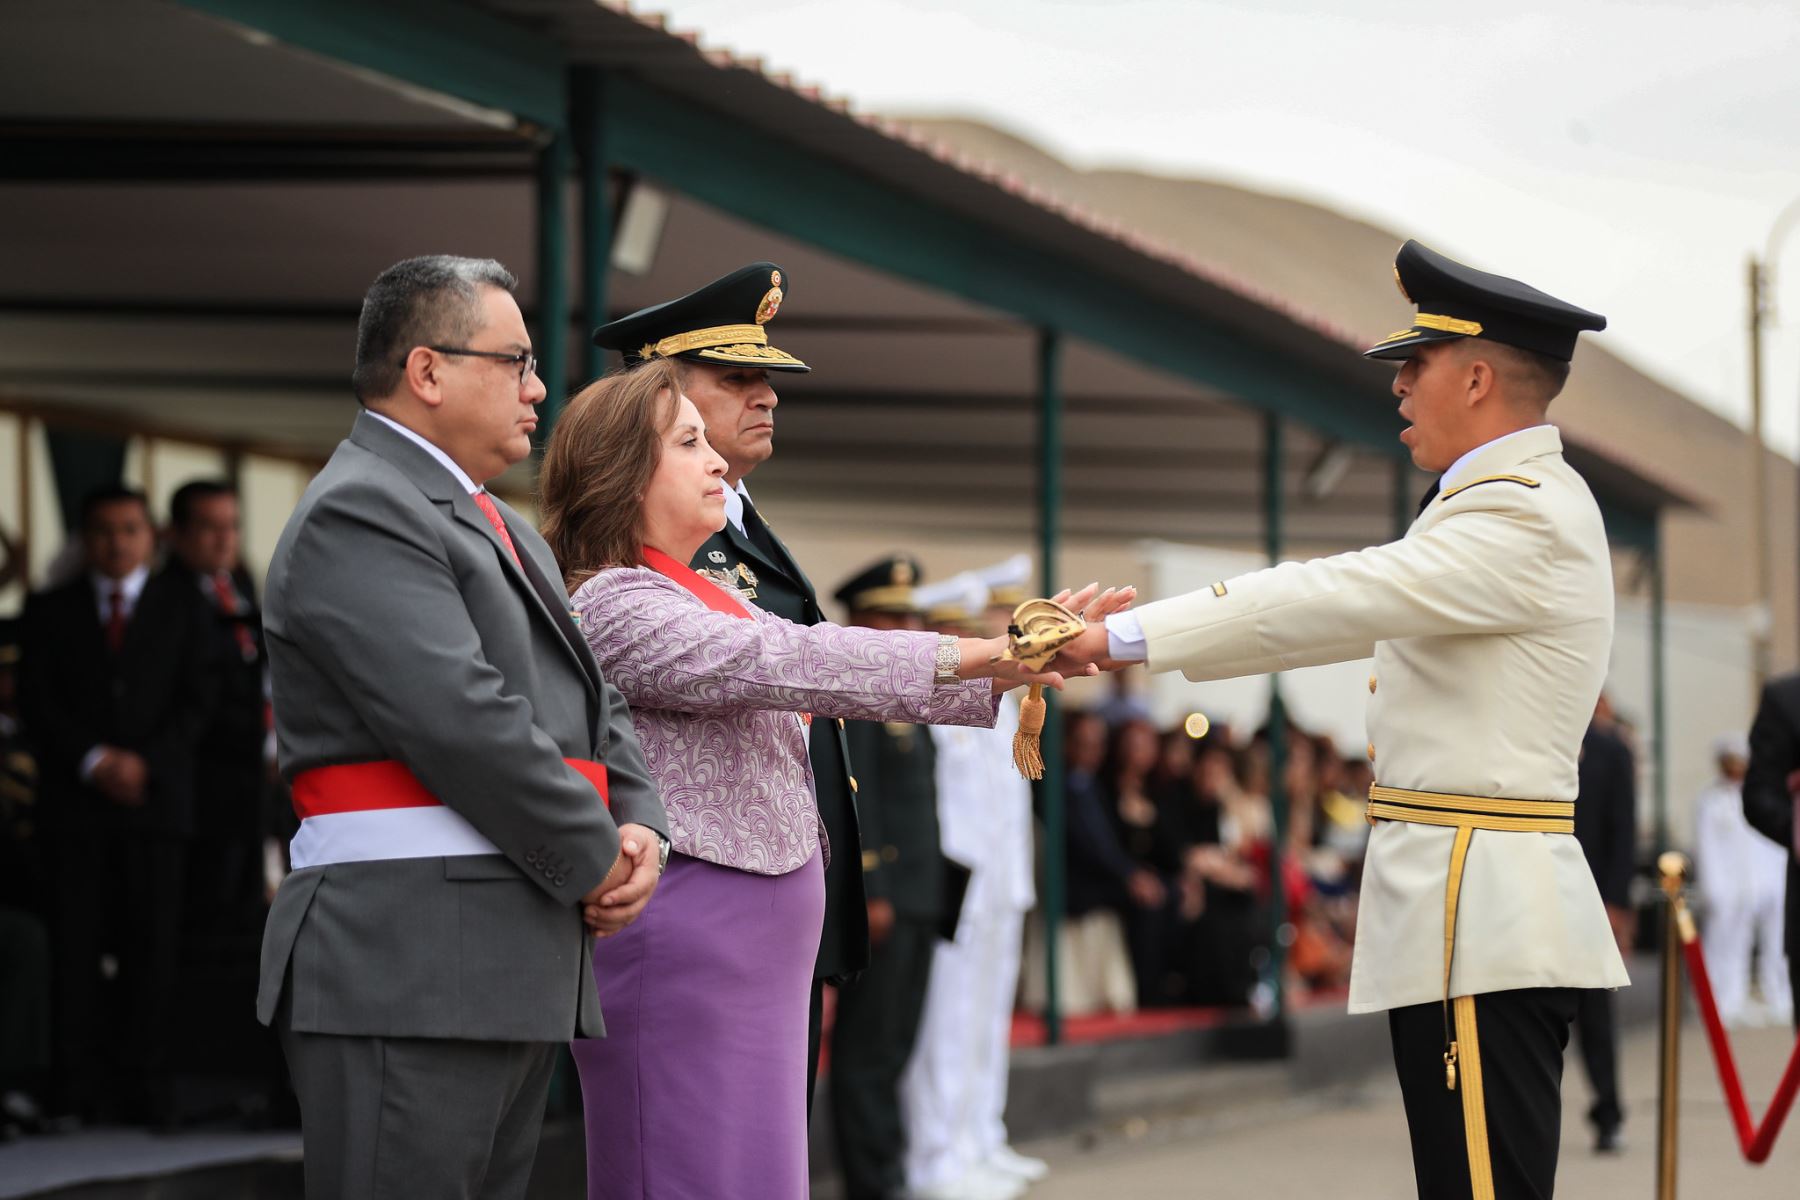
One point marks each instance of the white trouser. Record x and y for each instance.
(953, 1095)
(1738, 922)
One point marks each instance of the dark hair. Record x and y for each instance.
(1114, 763)
(606, 447)
(111, 493)
(181, 504)
(418, 302)
(1534, 377)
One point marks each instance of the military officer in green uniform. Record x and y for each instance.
(718, 334)
(906, 877)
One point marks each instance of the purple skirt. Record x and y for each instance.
(698, 1089)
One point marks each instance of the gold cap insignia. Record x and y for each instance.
(771, 304)
(903, 572)
(1401, 286)
(774, 278)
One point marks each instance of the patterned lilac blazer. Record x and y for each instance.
(716, 698)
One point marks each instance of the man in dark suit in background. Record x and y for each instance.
(1769, 794)
(116, 684)
(225, 888)
(1606, 827)
(717, 336)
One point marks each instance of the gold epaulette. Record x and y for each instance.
(1463, 487)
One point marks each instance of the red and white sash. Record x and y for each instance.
(358, 812)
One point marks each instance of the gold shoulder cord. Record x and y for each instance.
(1521, 480)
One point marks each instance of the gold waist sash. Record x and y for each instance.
(1465, 814)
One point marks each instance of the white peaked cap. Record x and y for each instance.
(1011, 572)
(964, 591)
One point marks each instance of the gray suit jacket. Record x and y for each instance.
(399, 628)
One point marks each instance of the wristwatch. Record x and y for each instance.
(949, 659)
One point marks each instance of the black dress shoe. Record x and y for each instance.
(1609, 1140)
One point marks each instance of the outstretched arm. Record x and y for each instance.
(664, 650)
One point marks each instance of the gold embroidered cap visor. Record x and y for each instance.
(742, 345)
(887, 585)
(1456, 301)
(725, 322)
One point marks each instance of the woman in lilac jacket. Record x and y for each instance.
(698, 1088)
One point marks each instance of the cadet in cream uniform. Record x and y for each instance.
(1490, 623)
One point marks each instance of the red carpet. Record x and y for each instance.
(1028, 1028)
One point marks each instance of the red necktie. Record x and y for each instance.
(115, 620)
(485, 502)
(228, 604)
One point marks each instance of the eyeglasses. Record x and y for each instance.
(527, 361)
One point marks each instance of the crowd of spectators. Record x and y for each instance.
(1168, 891)
(135, 816)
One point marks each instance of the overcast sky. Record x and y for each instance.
(1627, 156)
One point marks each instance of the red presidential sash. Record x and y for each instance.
(704, 590)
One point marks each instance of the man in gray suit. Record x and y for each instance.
(473, 800)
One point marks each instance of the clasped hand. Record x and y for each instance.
(1095, 606)
(622, 895)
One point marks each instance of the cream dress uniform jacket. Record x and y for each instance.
(1490, 624)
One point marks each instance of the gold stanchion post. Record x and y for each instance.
(1673, 867)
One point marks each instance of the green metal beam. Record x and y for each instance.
(552, 340)
(1049, 380)
(596, 219)
(1628, 528)
(791, 190)
(1405, 505)
(445, 46)
(1279, 932)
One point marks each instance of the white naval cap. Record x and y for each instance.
(959, 597)
(1006, 580)
(1732, 745)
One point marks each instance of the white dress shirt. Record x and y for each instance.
(130, 588)
(431, 448)
(734, 506)
(1125, 633)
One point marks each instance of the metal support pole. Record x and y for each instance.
(25, 515)
(1405, 505)
(552, 341)
(1049, 364)
(1280, 934)
(596, 210)
(1673, 868)
(1659, 684)
(1759, 491)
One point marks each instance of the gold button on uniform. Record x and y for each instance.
(1371, 685)
(853, 784)
(1371, 751)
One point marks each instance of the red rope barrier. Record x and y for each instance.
(1755, 1141)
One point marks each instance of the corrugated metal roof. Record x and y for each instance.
(1300, 278)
